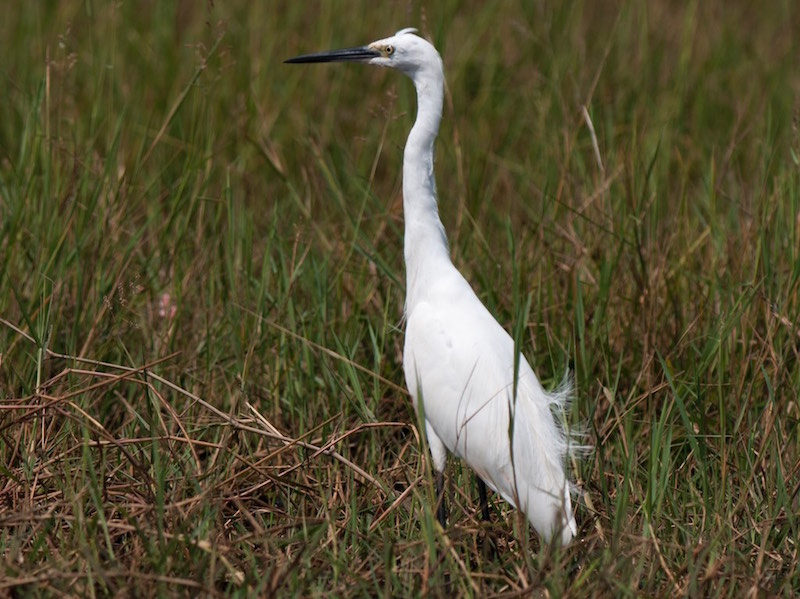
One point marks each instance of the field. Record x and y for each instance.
(202, 283)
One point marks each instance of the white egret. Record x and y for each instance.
(459, 363)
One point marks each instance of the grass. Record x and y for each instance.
(201, 295)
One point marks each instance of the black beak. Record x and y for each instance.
(347, 55)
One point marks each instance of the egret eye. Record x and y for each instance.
(389, 50)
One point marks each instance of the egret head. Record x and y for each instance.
(403, 51)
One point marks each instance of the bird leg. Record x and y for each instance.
(441, 503)
(484, 500)
(490, 550)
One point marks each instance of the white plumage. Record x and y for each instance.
(458, 361)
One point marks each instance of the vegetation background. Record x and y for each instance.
(201, 294)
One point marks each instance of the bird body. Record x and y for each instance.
(478, 401)
(458, 363)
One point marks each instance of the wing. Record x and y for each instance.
(459, 362)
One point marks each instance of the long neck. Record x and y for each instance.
(425, 240)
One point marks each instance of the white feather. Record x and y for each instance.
(460, 362)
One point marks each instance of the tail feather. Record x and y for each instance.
(541, 446)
